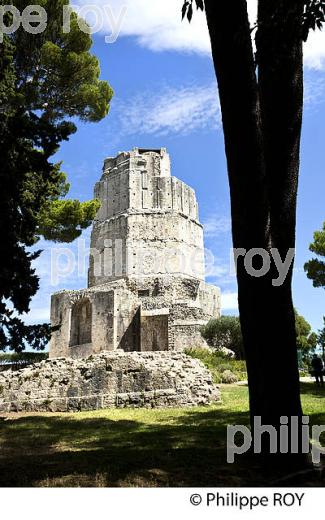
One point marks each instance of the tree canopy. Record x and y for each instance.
(225, 332)
(306, 339)
(321, 338)
(47, 81)
(315, 268)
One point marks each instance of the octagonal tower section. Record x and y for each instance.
(148, 225)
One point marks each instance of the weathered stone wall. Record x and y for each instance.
(148, 223)
(146, 261)
(143, 245)
(102, 330)
(162, 292)
(108, 380)
(154, 331)
(120, 309)
(141, 179)
(185, 322)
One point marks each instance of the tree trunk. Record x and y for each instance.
(260, 139)
(280, 78)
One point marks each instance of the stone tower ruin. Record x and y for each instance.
(146, 282)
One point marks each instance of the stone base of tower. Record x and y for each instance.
(108, 380)
(163, 314)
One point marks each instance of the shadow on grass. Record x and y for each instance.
(190, 451)
(183, 448)
(313, 390)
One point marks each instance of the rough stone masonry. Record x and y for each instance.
(146, 288)
(119, 342)
(108, 380)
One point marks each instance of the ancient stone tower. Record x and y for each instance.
(146, 288)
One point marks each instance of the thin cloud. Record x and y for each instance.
(214, 226)
(183, 110)
(180, 110)
(314, 88)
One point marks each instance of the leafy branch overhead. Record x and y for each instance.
(187, 9)
(46, 80)
(313, 17)
(64, 220)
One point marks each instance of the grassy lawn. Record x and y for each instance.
(179, 447)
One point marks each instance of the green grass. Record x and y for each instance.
(115, 448)
(217, 363)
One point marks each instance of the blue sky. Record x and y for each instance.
(166, 96)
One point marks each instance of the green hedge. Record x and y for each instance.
(218, 363)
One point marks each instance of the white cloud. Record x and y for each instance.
(315, 50)
(157, 25)
(173, 110)
(229, 301)
(215, 225)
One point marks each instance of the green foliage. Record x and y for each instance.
(228, 377)
(306, 339)
(219, 364)
(321, 338)
(64, 220)
(45, 80)
(315, 268)
(56, 74)
(225, 333)
(15, 335)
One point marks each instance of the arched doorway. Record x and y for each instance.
(81, 323)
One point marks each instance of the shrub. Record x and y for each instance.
(218, 364)
(228, 377)
(224, 332)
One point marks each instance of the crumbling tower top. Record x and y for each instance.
(149, 219)
(154, 162)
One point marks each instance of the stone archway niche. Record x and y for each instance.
(81, 323)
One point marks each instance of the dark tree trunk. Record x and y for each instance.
(280, 78)
(262, 125)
